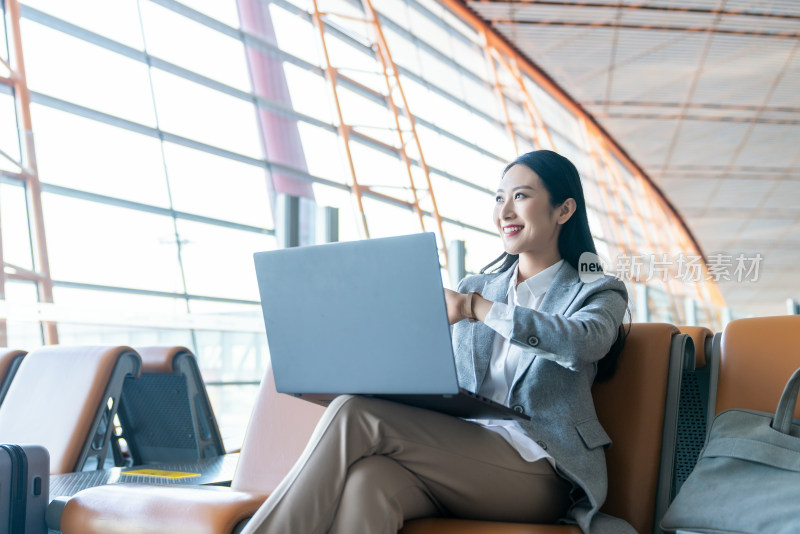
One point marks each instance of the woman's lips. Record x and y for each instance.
(511, 230)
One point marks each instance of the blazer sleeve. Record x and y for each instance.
(581, 337)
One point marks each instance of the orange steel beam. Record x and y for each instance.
(611, 194)
(646, 228)
(344, 131)
(397, 104)
(383, 196)
(665, 224)
(602, 183)
(531, 104)
(20, 273)
(527, 102)
(560, 95)
(33, 185)
(704, 292)
(396, 116)
(714, 296)
(524, 97)
(389, 148)
(388, 65)
(498, 89)
(354, 18)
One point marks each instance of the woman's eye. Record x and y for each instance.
(498, 199)
(519, 195)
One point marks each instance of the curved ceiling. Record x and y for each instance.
(705, 97)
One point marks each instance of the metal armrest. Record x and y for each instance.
(151, 509)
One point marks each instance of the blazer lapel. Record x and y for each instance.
(562, 290)
(559, 296)
(496, 290)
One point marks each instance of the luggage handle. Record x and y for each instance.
(785, 412)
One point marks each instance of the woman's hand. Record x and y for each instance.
(455, 305)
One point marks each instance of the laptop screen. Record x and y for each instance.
(357, 317)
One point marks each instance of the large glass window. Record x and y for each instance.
(84, 304)
(21, 300)
(325, 155)
(199, 113)
(91, 156)
(217, 187)
(9, 136)
(3, 40)
(117, 20)
(218, 261)
(101, 244)
(309, 92)
(464, 204)
(223, 10)
(50, 62)
(199, 48)
(14, 224)
(295, 34)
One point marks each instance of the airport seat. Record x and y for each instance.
(279, 428)
(638, 408)
(165, 414)
(693, 410)
(756, 357)
(65, 399)
(9, 362)
(631, 406)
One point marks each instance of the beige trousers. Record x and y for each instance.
(372, 464)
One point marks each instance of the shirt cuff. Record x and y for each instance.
(501, 319)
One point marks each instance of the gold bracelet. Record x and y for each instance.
(469, 311)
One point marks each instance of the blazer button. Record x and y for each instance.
(533, 341)
(518, 408)
(542, 444)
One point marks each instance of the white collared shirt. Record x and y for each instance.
(505, 357)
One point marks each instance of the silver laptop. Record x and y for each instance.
(364, 317)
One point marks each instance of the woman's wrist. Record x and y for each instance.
(481, 307)
(475, 307)
(467, 306)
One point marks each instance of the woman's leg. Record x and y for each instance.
(469, 471)
(379, 495)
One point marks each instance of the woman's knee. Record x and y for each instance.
(337, 403)
(350, 405)
(369, 475)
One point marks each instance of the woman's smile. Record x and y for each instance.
(523, 214)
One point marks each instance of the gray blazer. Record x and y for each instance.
(575, 326)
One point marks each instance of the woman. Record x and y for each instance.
(529, 335)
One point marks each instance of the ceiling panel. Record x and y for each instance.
(692, 193)
(770, 145)
(701, 142)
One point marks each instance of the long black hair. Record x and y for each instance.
(562, 181)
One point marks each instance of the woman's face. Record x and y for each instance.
(527, 223)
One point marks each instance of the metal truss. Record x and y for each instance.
(28, 175)
(403, 124)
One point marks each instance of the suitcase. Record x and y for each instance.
(24, 488)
